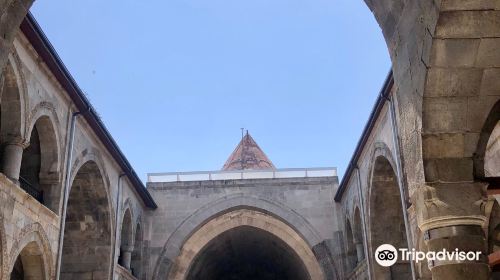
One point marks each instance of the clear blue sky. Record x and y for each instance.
(174, 81)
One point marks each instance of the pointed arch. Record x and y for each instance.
(32, 250)
(13, 99)
(88, 228)
(237, 201)
(350, 247)
(384, 204)
(481, 156)
(136, 264)
(40, 164)
(126, 239)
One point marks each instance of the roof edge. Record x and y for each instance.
(37, 38)
(377, 108)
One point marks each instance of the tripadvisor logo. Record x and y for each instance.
(387, 255)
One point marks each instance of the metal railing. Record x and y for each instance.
(31, 189)
(242, 174)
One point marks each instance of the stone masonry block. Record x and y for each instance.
(444, 114)
(454, 5)
(454, 52)
(453, 82)
(468, 24)
(488, 54)
(478, 109)
(490, 84)
(443, 145)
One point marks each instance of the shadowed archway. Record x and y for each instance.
(386, 218)
(240, 233)
(247, 253)
(87, 232)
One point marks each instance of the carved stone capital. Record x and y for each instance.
(448, 204)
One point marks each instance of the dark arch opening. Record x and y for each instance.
(30, 167)
(246, 253)
(358, 236)
(38, 175)
(386, 218)
(351, 253)
(29, 264)
(126, 240)
(136, 262)
(87, 232)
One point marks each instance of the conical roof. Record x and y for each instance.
(248, 155)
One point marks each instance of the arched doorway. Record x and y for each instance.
(246, 243)
(386, 218)
(87, 233)
(29, 264)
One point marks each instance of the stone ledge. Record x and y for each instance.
(28, 202)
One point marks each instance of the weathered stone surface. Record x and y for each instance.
(453, 82)
(468, 24)
(454, 52)
(487, 54)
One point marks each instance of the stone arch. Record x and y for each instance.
(385, 205)
(358, 234)
(174, 243)
(13, 100)
(351, 254)
(136, 263)
(32, 250)
(485, 161)
(126, 239)
(91, 155)
(40, 164)
(12, 117)
(88, 228)
(247, 219)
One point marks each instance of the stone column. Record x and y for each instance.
(451, 216)
(12, 157)
(127, 256)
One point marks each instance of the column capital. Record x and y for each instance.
(451, 204)
(15, 141)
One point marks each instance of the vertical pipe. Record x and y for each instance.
(363, 221)
(117, 220)
(67, 181)
(402, 192)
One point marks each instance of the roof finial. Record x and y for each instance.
(242, 132)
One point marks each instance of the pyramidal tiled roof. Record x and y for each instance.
(248, 155)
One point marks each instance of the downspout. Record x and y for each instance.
(363, 221)
(117, 219)
(402, 192)
(67, 182)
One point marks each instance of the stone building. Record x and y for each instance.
(249, 220)
(424, 175)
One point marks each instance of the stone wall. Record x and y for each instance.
(304, 203)
(34, 103)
